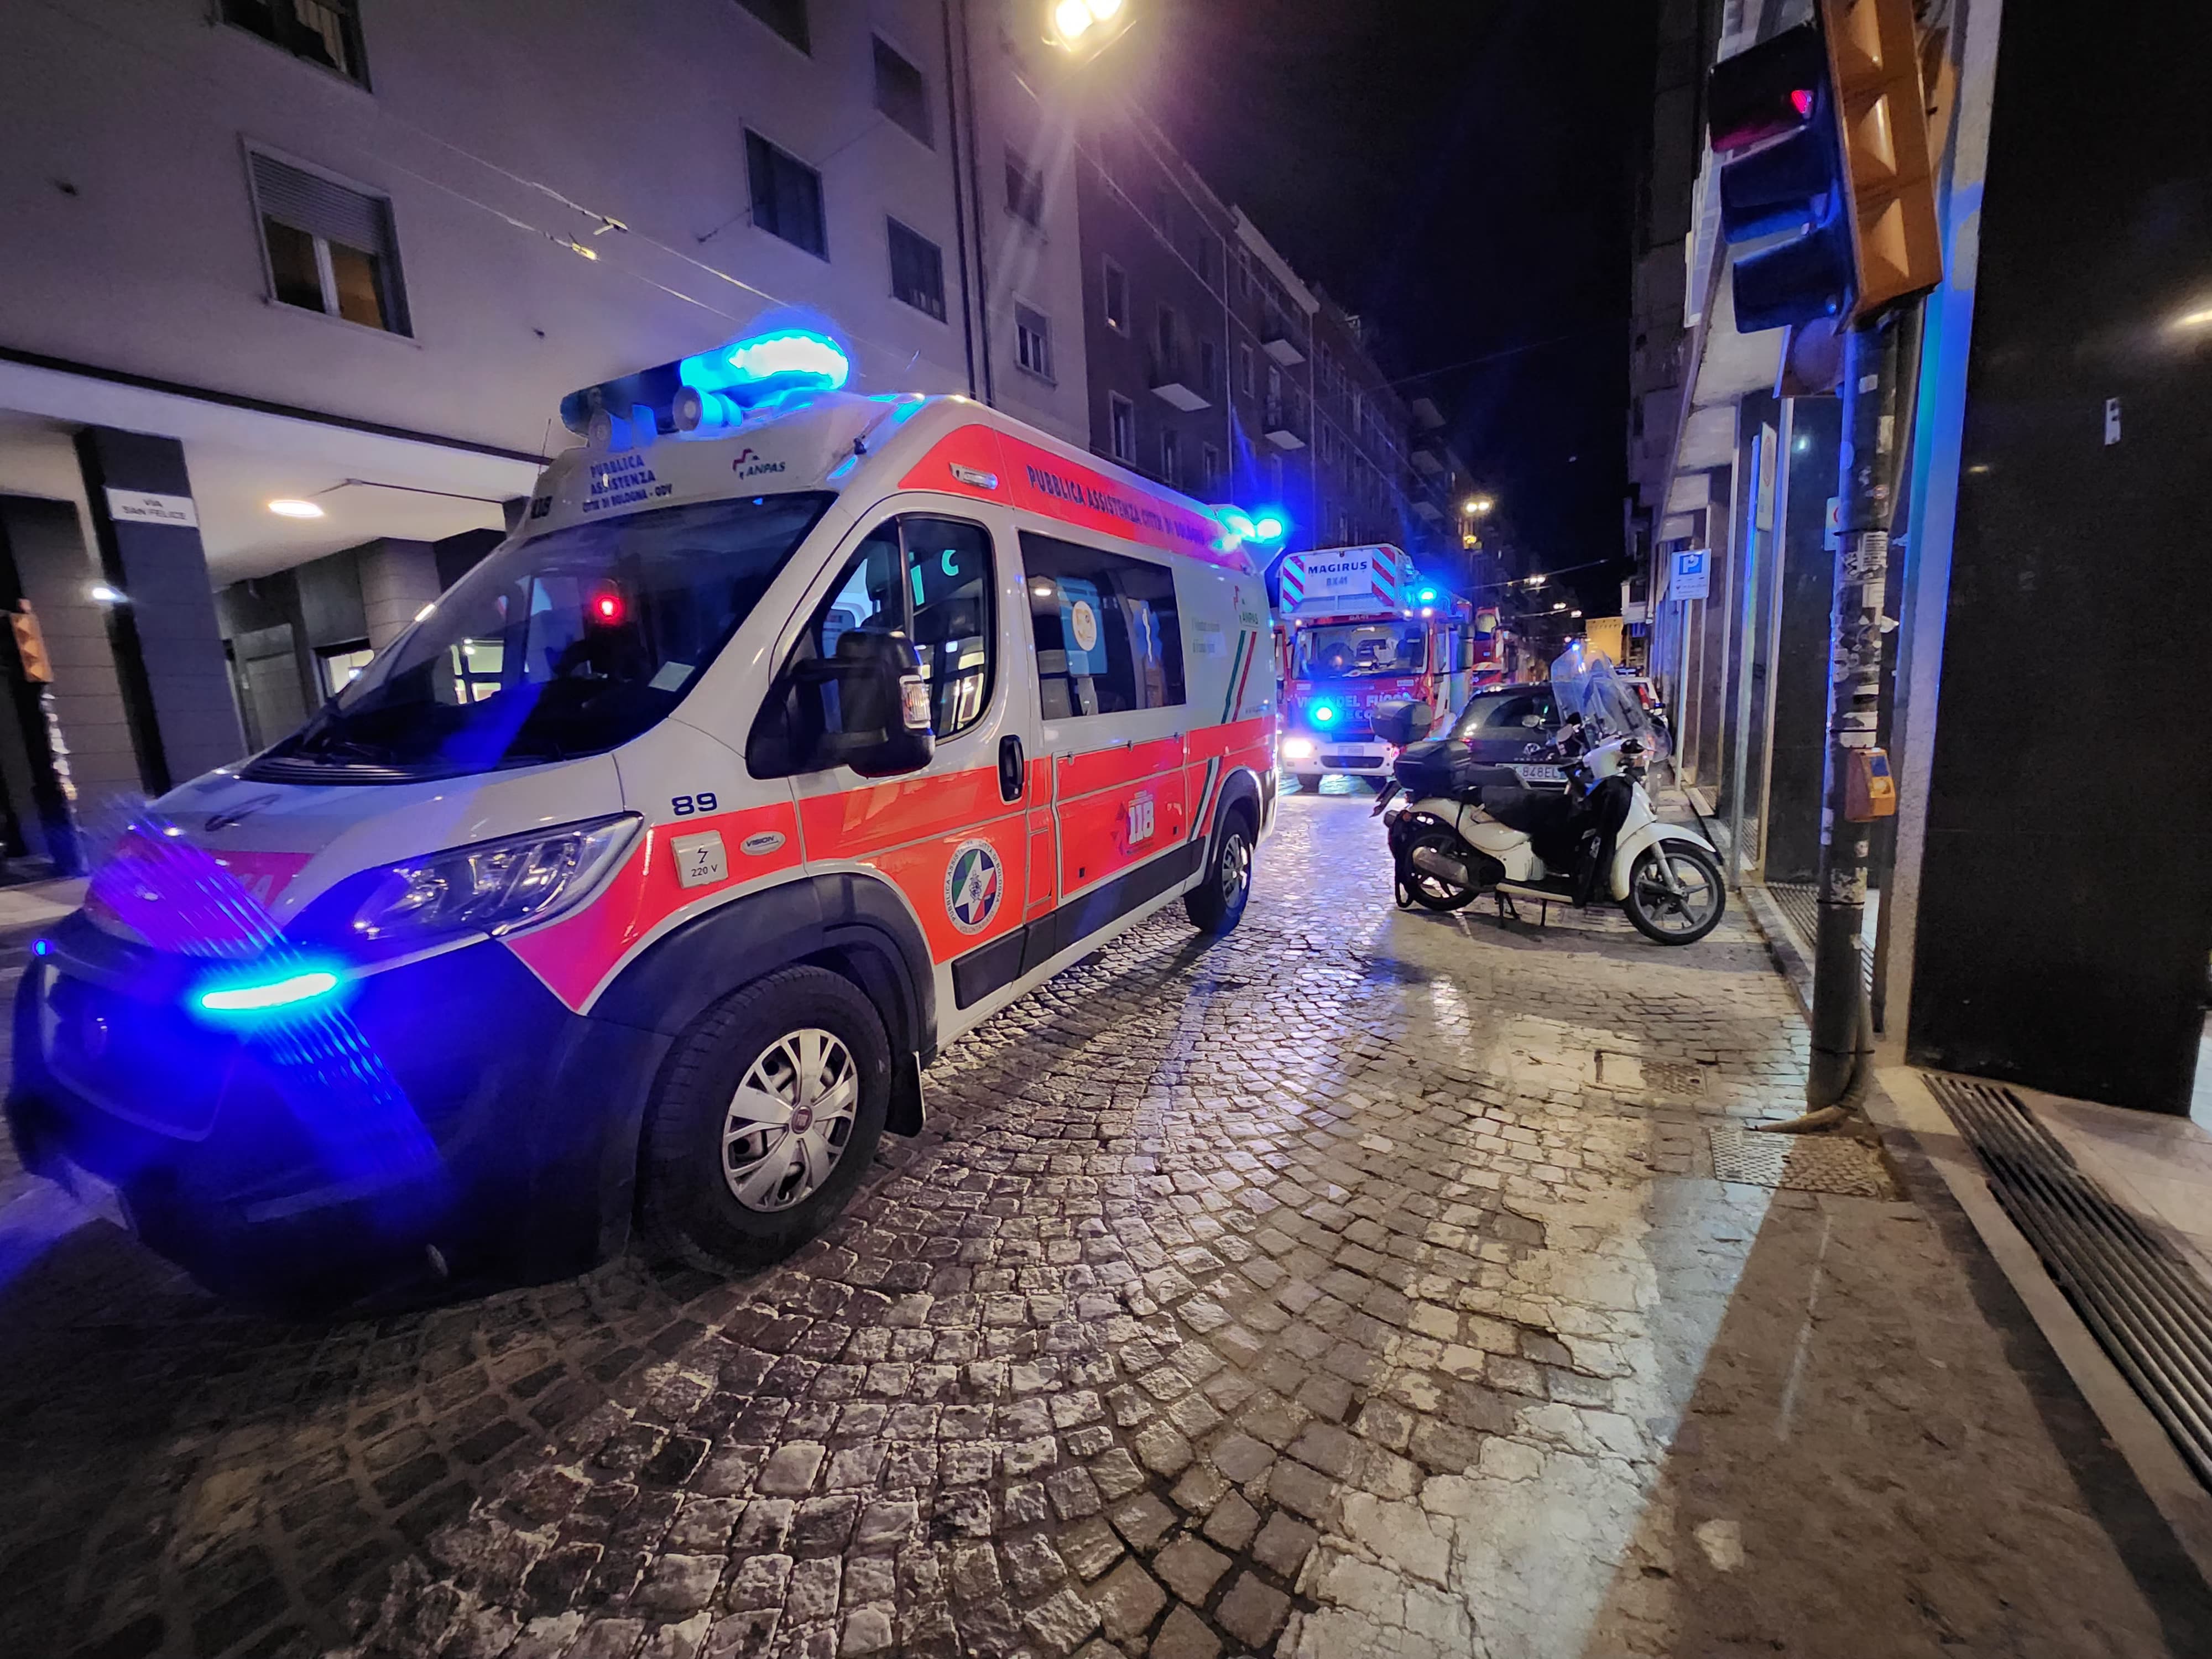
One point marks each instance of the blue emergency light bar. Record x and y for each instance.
(709, 392)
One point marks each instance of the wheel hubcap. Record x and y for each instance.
(790, 1121)
(1236, 866)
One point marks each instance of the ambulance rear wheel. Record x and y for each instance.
(766, 1118)
(1217, 903)
(1309, 782)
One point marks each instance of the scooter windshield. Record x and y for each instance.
(1584, 684)
(566, 644)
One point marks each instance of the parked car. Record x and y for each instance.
(1508, 722)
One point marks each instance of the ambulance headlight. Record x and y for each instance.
(494, 886)
(1297, 749)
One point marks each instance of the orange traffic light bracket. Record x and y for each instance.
(1882, 111)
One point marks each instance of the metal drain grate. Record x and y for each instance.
(1674, 1077)
(2147, 1306)
(1809, 1163)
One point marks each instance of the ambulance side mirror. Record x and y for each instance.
(885, 701)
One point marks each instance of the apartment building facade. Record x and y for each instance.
(348, 256)
(1214, 368)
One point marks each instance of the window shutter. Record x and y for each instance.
(306, 202)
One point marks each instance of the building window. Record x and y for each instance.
(786, 17)
(1163, 213)
(1244, 371)
(917, 271)
(1033, 342)
(1107, 639)
(1117, 298)
(1122, 427)
(1209, 468)
(1164, 337)
(1275, 476)
(325, 31)
(1170, 459)
(786, 195)
(1209, 367)
(330, 247)
(1025, 192)
(902, 94)
(339, 666)
(1243, 273)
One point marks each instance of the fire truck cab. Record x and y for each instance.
(1355, 627)
(791, 734)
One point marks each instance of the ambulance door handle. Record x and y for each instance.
(1011, 768)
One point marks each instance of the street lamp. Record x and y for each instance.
(1085, 26)
(1478, 505)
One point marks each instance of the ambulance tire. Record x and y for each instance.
(686, 1208)
(1309, 782)
(1217, 903)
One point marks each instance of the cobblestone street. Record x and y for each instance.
(1358, 1285)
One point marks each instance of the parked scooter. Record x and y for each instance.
(1552, 829)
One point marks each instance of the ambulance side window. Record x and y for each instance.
(949, 564)
(1107, 639)
(927, 577)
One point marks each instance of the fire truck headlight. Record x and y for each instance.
(1297, 749)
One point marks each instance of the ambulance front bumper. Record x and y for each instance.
(448, 1120)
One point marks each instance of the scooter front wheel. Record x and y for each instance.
(1682, 911)
(1434, 892)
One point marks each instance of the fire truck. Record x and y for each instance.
(1357, 626)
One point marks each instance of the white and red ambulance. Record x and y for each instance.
(1357, 627)
(792, 733)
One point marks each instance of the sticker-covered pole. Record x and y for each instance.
(1868, 487)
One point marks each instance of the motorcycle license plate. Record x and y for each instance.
(1540, 775)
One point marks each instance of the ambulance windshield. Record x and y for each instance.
(566, 644)
(1360, 649)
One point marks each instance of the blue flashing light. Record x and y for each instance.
(291, 990)
(1428, 594)
(1323, 712)
(1269, 527)
(761, 364)
(44, 947)
(1238, 525)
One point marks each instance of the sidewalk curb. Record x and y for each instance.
(1781, 942)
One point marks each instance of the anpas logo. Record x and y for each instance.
(972, 887)
(749, 463)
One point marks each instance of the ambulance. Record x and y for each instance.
(792, 734)
(1357, 627)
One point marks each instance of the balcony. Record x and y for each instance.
(1175, 382)
(1281, 427)
(1276, 342)
(1426, 462)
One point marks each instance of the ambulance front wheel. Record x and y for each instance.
(1217, 903)
(765, 1120)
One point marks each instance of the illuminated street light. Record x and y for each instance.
(1562, 606)
(1536, 580)
(1086, 26)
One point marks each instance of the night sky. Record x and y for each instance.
(1459, 171)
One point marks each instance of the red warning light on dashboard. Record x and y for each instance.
(608, 608)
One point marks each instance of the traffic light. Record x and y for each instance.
(1874, 62)
(1771, 111)
(31, 646)
(1824, 135)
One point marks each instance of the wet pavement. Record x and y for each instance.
(1358, 1284)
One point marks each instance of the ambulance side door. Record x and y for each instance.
(1114, 722)
(951, 837)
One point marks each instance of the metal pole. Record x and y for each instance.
(1868, 487)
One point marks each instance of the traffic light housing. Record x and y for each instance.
(1771, 114)
(1824, 135)
(1873, 65)
(31, 646)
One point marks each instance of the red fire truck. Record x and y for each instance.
(1356, 626)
